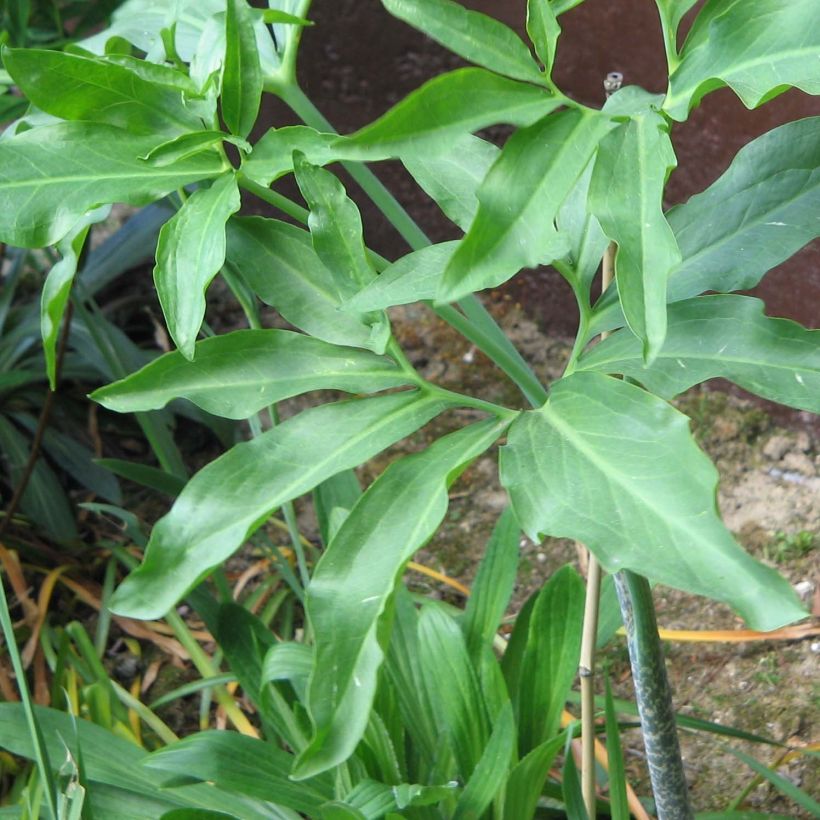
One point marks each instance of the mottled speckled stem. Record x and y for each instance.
(654, 697)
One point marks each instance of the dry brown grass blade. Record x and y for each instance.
(439, 576)
(635, 805)
(42, 694)
(14, 572)
(257, 568)
(786, 633)
(43, 601)
(7, 688)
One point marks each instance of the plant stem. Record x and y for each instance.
(654, 697)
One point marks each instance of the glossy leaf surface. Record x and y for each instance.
(673, 11)
(241, 764)
(82, 88)
(474, 36)
(190, 252)
(235, 375)
(493, 585)
(458, 704)
(50, 176)
(614, 467)
(57, 288)
(272, 156)
(550, 660)
(527, 778)
(518, 201)
(279, 263)
(724, 336)
(543, 30)
(412, 278)
(448, 106)
(451, 176)
(625, 194)
(755, 216)
(756, 48)
(352, 583)
(230, 498)
(335, 225)
(242, 72)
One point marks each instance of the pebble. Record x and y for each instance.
(802, 441)
(798, 463)
(776, 447)
(804, 590)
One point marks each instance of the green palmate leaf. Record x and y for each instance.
(448, 106)
(625, 195)
(242, 72)
(237, 374)
(57, 287)
(272, 156)
(550, 660)
(543, 30)
(279, 263)
(412, 278)
(493, 585)
(458, 705)
(526, 780)
(451, 174)
(335, 225)
(758, 49)
(519, 200)
(354, 580)
(190, 252)
(647, 500)
(240, 764)
(724, 336)
(490, 774)
(83, 88)
(767, 203)
(233, 495)
(474, 36)
(51, 176)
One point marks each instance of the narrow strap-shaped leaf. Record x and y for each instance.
(448, 106)
(413, 278)
(755, 48)
(74, 87)
(649, 490)
(237, 374)
(278, 262)
(186, 145)
(335, 225)
(352, 583)
(767, 201)
(451, 174)
(519, 200)
(470, 34)
(493, 584)
(242, 72)
(231, 497)
(51, 176)
(725, 336)
(526, 780)
(543, 30)
(490, 774)
(460, 710)
(625, 194)
(240, 764)
(190, 252)
(618, 804)
(550, 660)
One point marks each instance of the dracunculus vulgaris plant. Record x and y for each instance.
(145, 108)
